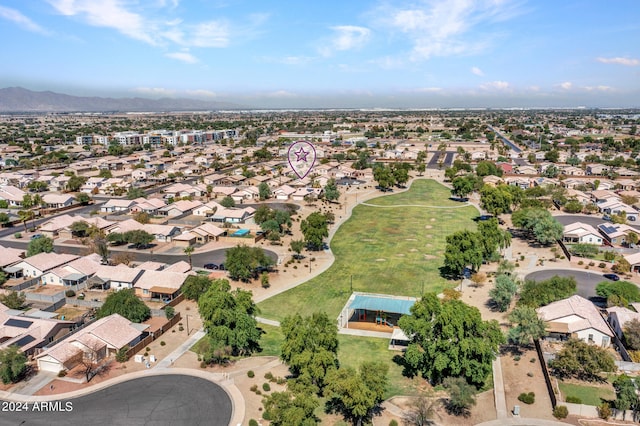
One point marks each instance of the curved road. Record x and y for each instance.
(586, 280)
(158, 401)
(593, 220)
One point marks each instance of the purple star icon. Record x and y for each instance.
(301, 155)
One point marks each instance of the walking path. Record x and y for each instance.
(180, 350)
(459, 206)
(498, 390)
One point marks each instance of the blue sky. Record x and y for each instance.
(347, 53)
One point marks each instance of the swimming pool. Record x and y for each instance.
(240, 233)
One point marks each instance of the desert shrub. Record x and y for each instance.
(604, 411)
(253, 388)
(266, 387)
(17, 235)
(69, 293)
(250, 374)
(580, 262)
(527, 398)
(573, 399)
(253, 422)
(602, 265)
(162, 343)
(560, 412)
(393, 423)
(268, 376)
(62, 373)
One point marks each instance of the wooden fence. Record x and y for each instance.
(151, 337)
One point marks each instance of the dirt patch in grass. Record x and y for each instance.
(428, 227)
(429, 256)
(381, 260)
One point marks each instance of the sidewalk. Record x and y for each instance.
(180, 350)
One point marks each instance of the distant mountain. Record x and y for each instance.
(18, 99)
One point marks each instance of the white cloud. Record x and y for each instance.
(154, 91)
(210, 34)
(182, 56)
(567, 85)
(630, 62)
(443, 27)
(496, 85)
(281, 94)
(598, 88)
(201, 93)
(21, 20)
(477, 71)
(346, 37)
(429, 89)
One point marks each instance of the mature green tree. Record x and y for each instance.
(632, 335)
(584, 250)
(263, 213)
(25, 216)
(138, 237)
(581, 360)
(126, 303)
(422, 411)
(573, 206)
(383, 175)
(331, 191)
(116, 238)
(291, 408)
(83, 198)
(195, 285)
(536, 294)
(539, 223)
(620, 291)
(4, 219)
(270, 226)
(13, 300)
(241, 261)
(75, 183)
(135, 192)
(38, 186)
(401, 175)
(27, 201)
(297, 246)
(496, 200)
(79, 228)
(315, 228)
(502, 294)
(40, 245)
(351, 394)
(310, 346)
(105, 173)
(486, 168)
(264, 192)
(3, 278)
(463, 249)
(449, 338)
(229, 318)
(492, 238)
(462, 395)
(13, 364)
(528, 326)
(463, 186)
(548, 231)
(626, 396)
(188, 251)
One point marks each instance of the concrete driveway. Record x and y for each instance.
(156, 400)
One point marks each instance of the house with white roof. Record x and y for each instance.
(582, 233)
(75, 272)
(179, 208)
(12, 195)
(160, 285)
(619, 317)
(57, 201)
(117, 277)
(575, 317)
(284, 192)
(96, 341)
(36, 266)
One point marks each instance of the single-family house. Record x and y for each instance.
(596, 169)
(619, 317)
(30, 330)
(233, 215)
(35, 266)
(57, 201)
(117, 277)
(117, 205)
(73, 273)
(575, 317)
(283, 192)
(95, 342)
(582, 233)
(147, 205)
(179, 208)
(526, 170)
(10, 256)
(634, 261)
(161, 285)
(616, 233)
(12, 195)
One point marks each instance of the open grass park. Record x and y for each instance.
(392, 244)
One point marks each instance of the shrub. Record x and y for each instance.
(253, 388)
(121, 355)
(281, 381)
(162, 343)
(180, 328)
(62, 373)
(573, 399)
(203, 364)
(250, 374)
(532, 360)
(266, 416)
(580, 262)
(266, 387)
(527, 398)
(146, 354)
(560, 412)
(69, 293)
(602, 265)
(516, 358)
(17, 235)
(393, 423)
(268, 376)
(592, 264)
(147, 349)
(169, 312)
(253, 422)
(604, 411)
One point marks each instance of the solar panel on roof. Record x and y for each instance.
(25, 340)
(12, 322)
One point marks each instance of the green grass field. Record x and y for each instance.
(390, 250)
(590, 395)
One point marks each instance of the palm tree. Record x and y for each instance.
(189, 251)
(24, 216)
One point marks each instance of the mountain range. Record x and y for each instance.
(18, 99)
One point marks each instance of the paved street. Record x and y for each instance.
(586, 280)
(157, 400)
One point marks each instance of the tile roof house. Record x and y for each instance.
(118, 277)
(29, 330)
(163, 285)
(56, 201)
(10, 256)
(73, 273)
(12, 195)
(583, 233)
(575, 317)
(179, 208)
(36, 266)
(616, 233)
(96, 341)
(619, 317)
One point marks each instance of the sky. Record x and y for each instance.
(329, 53)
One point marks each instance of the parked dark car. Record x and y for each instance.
(210, 266)
(612, 277)
(221, 266)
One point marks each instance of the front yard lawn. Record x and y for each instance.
(590, 395)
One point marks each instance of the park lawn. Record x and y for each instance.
(354, 350)
(271, 340)
(590, 395)
(388, 250)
